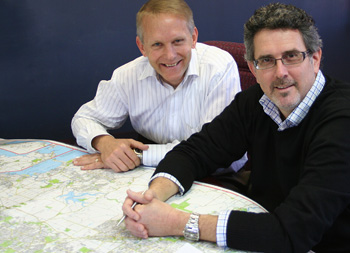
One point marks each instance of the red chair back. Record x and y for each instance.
(237, 50)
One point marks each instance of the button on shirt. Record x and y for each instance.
(157, 111)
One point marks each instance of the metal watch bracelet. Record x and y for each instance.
(191, 231)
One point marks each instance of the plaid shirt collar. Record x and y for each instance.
(299, 113)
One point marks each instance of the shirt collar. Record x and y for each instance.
(299, 113)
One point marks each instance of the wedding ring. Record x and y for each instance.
(96, 160)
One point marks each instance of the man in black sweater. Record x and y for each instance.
(294, 123)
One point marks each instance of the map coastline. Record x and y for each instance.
(49, 205)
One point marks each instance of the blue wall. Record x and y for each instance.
(53, 53)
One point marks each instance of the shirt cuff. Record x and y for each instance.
(235, 166)
(155, 153)
(171, 178)
(221, 228)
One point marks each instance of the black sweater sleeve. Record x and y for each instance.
(310, 175)
(217, 145)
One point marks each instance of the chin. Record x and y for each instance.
(290, 106)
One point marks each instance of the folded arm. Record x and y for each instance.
(153, 217)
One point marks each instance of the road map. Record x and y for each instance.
(49, 205)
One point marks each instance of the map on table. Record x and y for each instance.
(49, 205)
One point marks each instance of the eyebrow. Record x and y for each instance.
(283, 53)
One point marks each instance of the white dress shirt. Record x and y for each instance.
(157, 111)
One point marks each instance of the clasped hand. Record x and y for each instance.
(116, 154)
(152, 217)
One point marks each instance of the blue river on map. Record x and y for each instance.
(6, 153)
(62, 155)
(76, 198)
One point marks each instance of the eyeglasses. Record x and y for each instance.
(287, 59)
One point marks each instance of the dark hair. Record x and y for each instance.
(281, 16)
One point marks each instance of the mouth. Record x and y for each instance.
(283, 84)
(171, 65)
(283, 87)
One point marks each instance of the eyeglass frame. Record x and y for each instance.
(305, 53)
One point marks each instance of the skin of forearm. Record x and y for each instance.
(207, 227)
(98, 140)
(163, 188)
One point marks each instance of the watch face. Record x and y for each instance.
(138, 151)
(139, 154)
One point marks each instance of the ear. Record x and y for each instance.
(317, 56)
(252, 68)
(140, 46)
(194, 37)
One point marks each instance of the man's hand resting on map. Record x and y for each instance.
(90, 162)
(116, 154)
(152, 217)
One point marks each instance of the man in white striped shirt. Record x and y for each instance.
(169, 93)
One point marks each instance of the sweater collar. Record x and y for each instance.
(299, 113)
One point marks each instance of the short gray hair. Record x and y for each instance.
(281, 16)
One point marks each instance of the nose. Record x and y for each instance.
(281, 70)
(170, 52)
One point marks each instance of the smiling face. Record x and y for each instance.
(167, 42)
(286, 86)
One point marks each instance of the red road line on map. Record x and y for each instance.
(52, 143)
(229, 191)
(26, 152)
(36, 163)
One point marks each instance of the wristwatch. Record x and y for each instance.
(139, 153)
(191, 231)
